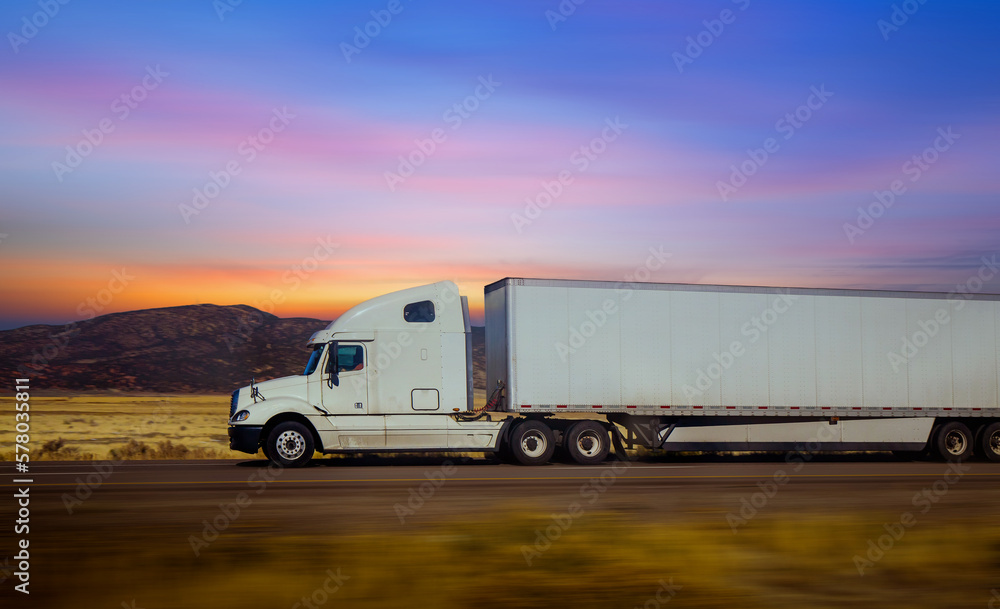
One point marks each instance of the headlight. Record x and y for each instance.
(240, 416)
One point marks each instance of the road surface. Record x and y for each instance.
(111, 532)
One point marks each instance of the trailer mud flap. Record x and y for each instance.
(618, 442)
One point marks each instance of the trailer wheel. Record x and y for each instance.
(989, 442)
(954, 441)
(532, 443)
(587, 442)
(290, 444)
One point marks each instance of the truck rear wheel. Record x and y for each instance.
(587, 442)
(954, 441)
(989, 442)
(290, 444)
(532, 443)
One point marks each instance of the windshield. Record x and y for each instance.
(317, 353)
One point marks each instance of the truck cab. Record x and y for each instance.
(393, 373)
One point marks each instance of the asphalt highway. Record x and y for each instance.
(97, 528)
(330, 474)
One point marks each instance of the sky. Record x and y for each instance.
(304, 156)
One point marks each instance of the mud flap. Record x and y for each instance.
(618, 442)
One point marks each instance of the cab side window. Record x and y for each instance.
(350, 358)
(419, 312)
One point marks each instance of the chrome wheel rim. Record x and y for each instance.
(956, 443)
(291, 445)
(589, 443)
(533, 444)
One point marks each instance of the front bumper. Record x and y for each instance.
(245, 438)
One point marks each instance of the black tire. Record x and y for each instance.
(587, 442)
(290, 444)
(953, 441)
(989, 442)
(531, 443)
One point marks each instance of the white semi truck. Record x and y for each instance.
(584, 365)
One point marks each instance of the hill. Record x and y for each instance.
(187, 349)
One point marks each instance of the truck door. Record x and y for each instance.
(345, 395)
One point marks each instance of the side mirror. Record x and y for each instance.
(331, 366)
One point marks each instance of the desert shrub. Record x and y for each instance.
(134, 450)
(56, 450)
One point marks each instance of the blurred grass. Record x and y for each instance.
(602, 560)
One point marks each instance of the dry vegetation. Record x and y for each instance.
(86, 427)
(92, 427)
(604, 560)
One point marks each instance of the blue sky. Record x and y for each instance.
(477, 206)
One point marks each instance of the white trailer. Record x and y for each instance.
(665, 366)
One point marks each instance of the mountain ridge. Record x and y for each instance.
(203, 348)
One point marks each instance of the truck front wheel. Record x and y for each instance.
(587, 442)
(532, 443)
(290, 444)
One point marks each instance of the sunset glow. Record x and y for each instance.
(177, 153)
